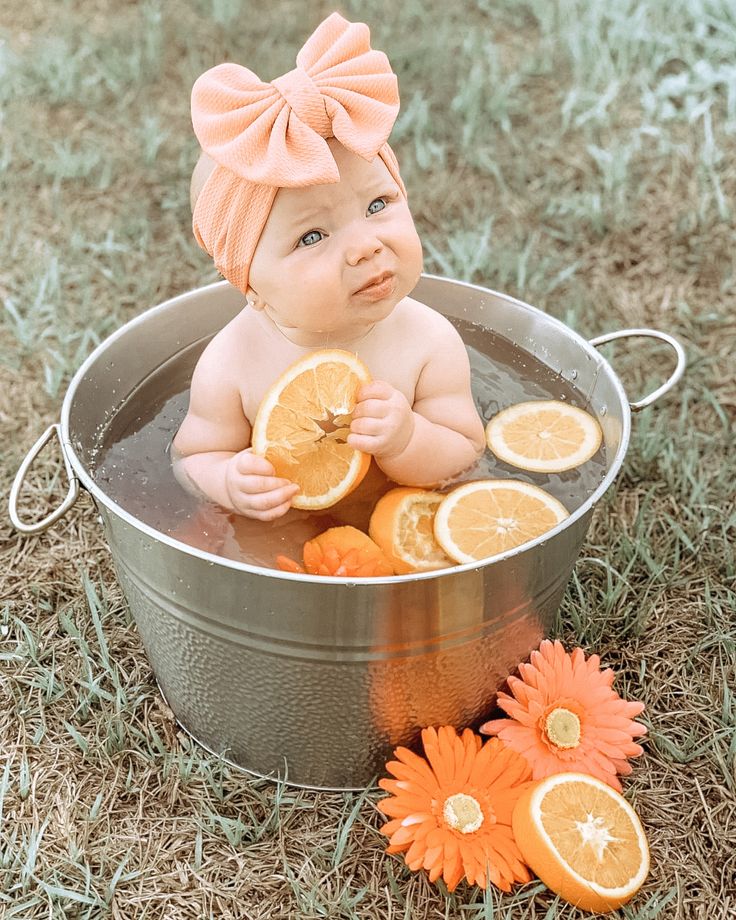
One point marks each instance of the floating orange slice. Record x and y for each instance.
(303, 422)
(583, 840)
(543, 436)
(402, 525)
(490, 516)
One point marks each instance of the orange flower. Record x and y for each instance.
(451, 813)
(344, 551)
(565, 716)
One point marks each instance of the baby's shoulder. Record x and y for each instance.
(417, 317)
(221, 356)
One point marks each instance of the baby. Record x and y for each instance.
(298, 198)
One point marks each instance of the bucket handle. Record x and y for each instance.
(650, 334)
(71, 495)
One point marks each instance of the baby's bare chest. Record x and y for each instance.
(262, 363)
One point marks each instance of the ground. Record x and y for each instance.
(578, 155)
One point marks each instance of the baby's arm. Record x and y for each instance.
(210, 452)
(440, 435)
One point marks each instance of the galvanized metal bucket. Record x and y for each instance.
(309, 679)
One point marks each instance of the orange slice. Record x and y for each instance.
(302, 424)
(402, 525)
(490, 516)
(582, 839)
(543, 436)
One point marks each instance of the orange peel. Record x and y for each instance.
(340, 551)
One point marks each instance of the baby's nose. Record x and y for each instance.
(362, 245)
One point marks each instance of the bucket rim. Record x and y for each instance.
(101, 497)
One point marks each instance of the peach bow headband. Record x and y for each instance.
(266, 136)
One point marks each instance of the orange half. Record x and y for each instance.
(303, 422)
(402, 525)
(583, 840)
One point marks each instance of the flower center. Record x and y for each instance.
(562, 727)
(462, 813)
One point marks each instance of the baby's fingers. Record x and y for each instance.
(270, 514)
(248, 463)
(371, 408)
(265, 501)
(254, 485)
(369, 444)
(370, 425)
(376, 389)
(266, 505)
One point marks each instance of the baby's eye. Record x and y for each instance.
(378, 204)
(309, 239)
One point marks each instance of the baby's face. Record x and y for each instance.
(335, 259)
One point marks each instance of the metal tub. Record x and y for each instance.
(309, 679)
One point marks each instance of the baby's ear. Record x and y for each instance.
(200, 175)
(253, 300)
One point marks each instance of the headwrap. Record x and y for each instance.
(267, 136)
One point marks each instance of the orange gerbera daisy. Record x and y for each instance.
(344, 551)
(451, 813)
(565, 716)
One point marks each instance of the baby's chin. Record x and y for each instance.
(376, 313)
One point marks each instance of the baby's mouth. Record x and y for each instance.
(378, 284)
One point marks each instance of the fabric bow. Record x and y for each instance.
(274, 133)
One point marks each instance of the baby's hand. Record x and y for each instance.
(253, 488)
(383, 421)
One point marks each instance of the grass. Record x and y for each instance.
(579, 155)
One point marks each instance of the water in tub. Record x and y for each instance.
(133, 466)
